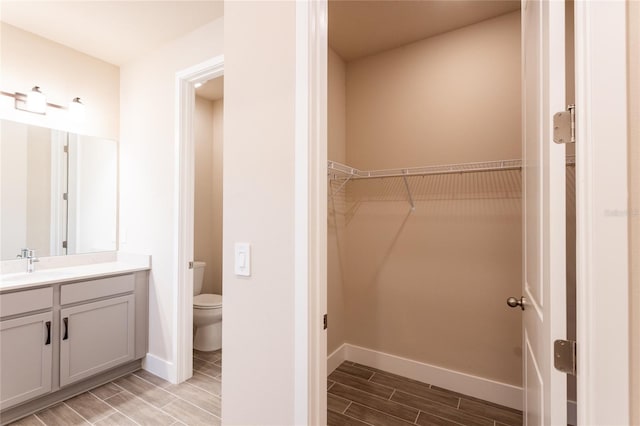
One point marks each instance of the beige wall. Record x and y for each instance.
(447, 99)
(218, 132)
(63, 74)
(258, 329)
(634, 201)
(431, 285)
(336, 243)
(208, 191)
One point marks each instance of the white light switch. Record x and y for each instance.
(243, 259)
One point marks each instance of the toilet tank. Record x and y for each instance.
(198, 276)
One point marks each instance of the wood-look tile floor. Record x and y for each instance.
(359, 395)
(143, 399)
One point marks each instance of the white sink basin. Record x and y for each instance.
(38, 275)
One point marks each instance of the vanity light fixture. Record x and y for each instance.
(35, 101)
(76, 109)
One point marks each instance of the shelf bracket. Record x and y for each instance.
(333, 193)
(406, 185)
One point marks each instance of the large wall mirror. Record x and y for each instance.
(58, 191)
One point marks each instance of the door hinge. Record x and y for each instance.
(564, 356)
(66, 149)
(65, 196)
(64, 244)
(564, 125)
(324, 320)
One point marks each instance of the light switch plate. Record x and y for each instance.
(243, 259)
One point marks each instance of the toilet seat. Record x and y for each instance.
(207, 301)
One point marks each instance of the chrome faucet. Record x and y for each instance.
(31, 259)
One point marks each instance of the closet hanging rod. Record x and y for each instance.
(342, 171)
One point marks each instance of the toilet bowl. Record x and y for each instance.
(207, 314)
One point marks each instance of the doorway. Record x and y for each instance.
(426, 193)
(186, 82)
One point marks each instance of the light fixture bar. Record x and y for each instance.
(35, 102)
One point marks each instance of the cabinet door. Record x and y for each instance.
(95, 337)
(25, 363)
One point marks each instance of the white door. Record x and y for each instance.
(544, 211)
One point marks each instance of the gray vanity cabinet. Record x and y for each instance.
(95, 337)
(26, 339)
(64, 338)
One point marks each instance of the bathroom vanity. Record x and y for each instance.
(66, 329)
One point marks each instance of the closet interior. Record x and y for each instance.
(424, 194)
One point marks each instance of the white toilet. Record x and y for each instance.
(207, 314)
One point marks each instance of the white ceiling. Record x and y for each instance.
(212, 89)
(114, 31)
(363, 27)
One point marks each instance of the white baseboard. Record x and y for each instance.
(479, 387)
(159, 367)
(572, 413)
(336, 358)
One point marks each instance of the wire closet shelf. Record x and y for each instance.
(342, 172)
(339, 171)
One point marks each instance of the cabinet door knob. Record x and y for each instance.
(66, 328)
(48, 325)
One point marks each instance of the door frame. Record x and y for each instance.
(601, 213)
(310, 405)
(184, 210)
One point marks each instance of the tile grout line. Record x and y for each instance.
(384, 412)
(117, 411)
(38, 419)
(459, 401)
(361, 378)
(417, 416)
(81, 416)
(152, 406)
(203, 389)
(347, 407)
(205, 374)
(391, 396)
(368, 393)
(191, 403)
(362, 421)
(181, 398)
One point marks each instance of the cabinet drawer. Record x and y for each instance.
(25, 301)
(95, 289)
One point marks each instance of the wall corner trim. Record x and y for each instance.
(478, 387)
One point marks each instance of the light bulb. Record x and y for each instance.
(36, 101)
(76, 109)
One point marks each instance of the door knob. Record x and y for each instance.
(513, 302)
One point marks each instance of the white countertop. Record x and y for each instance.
(73, 268)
